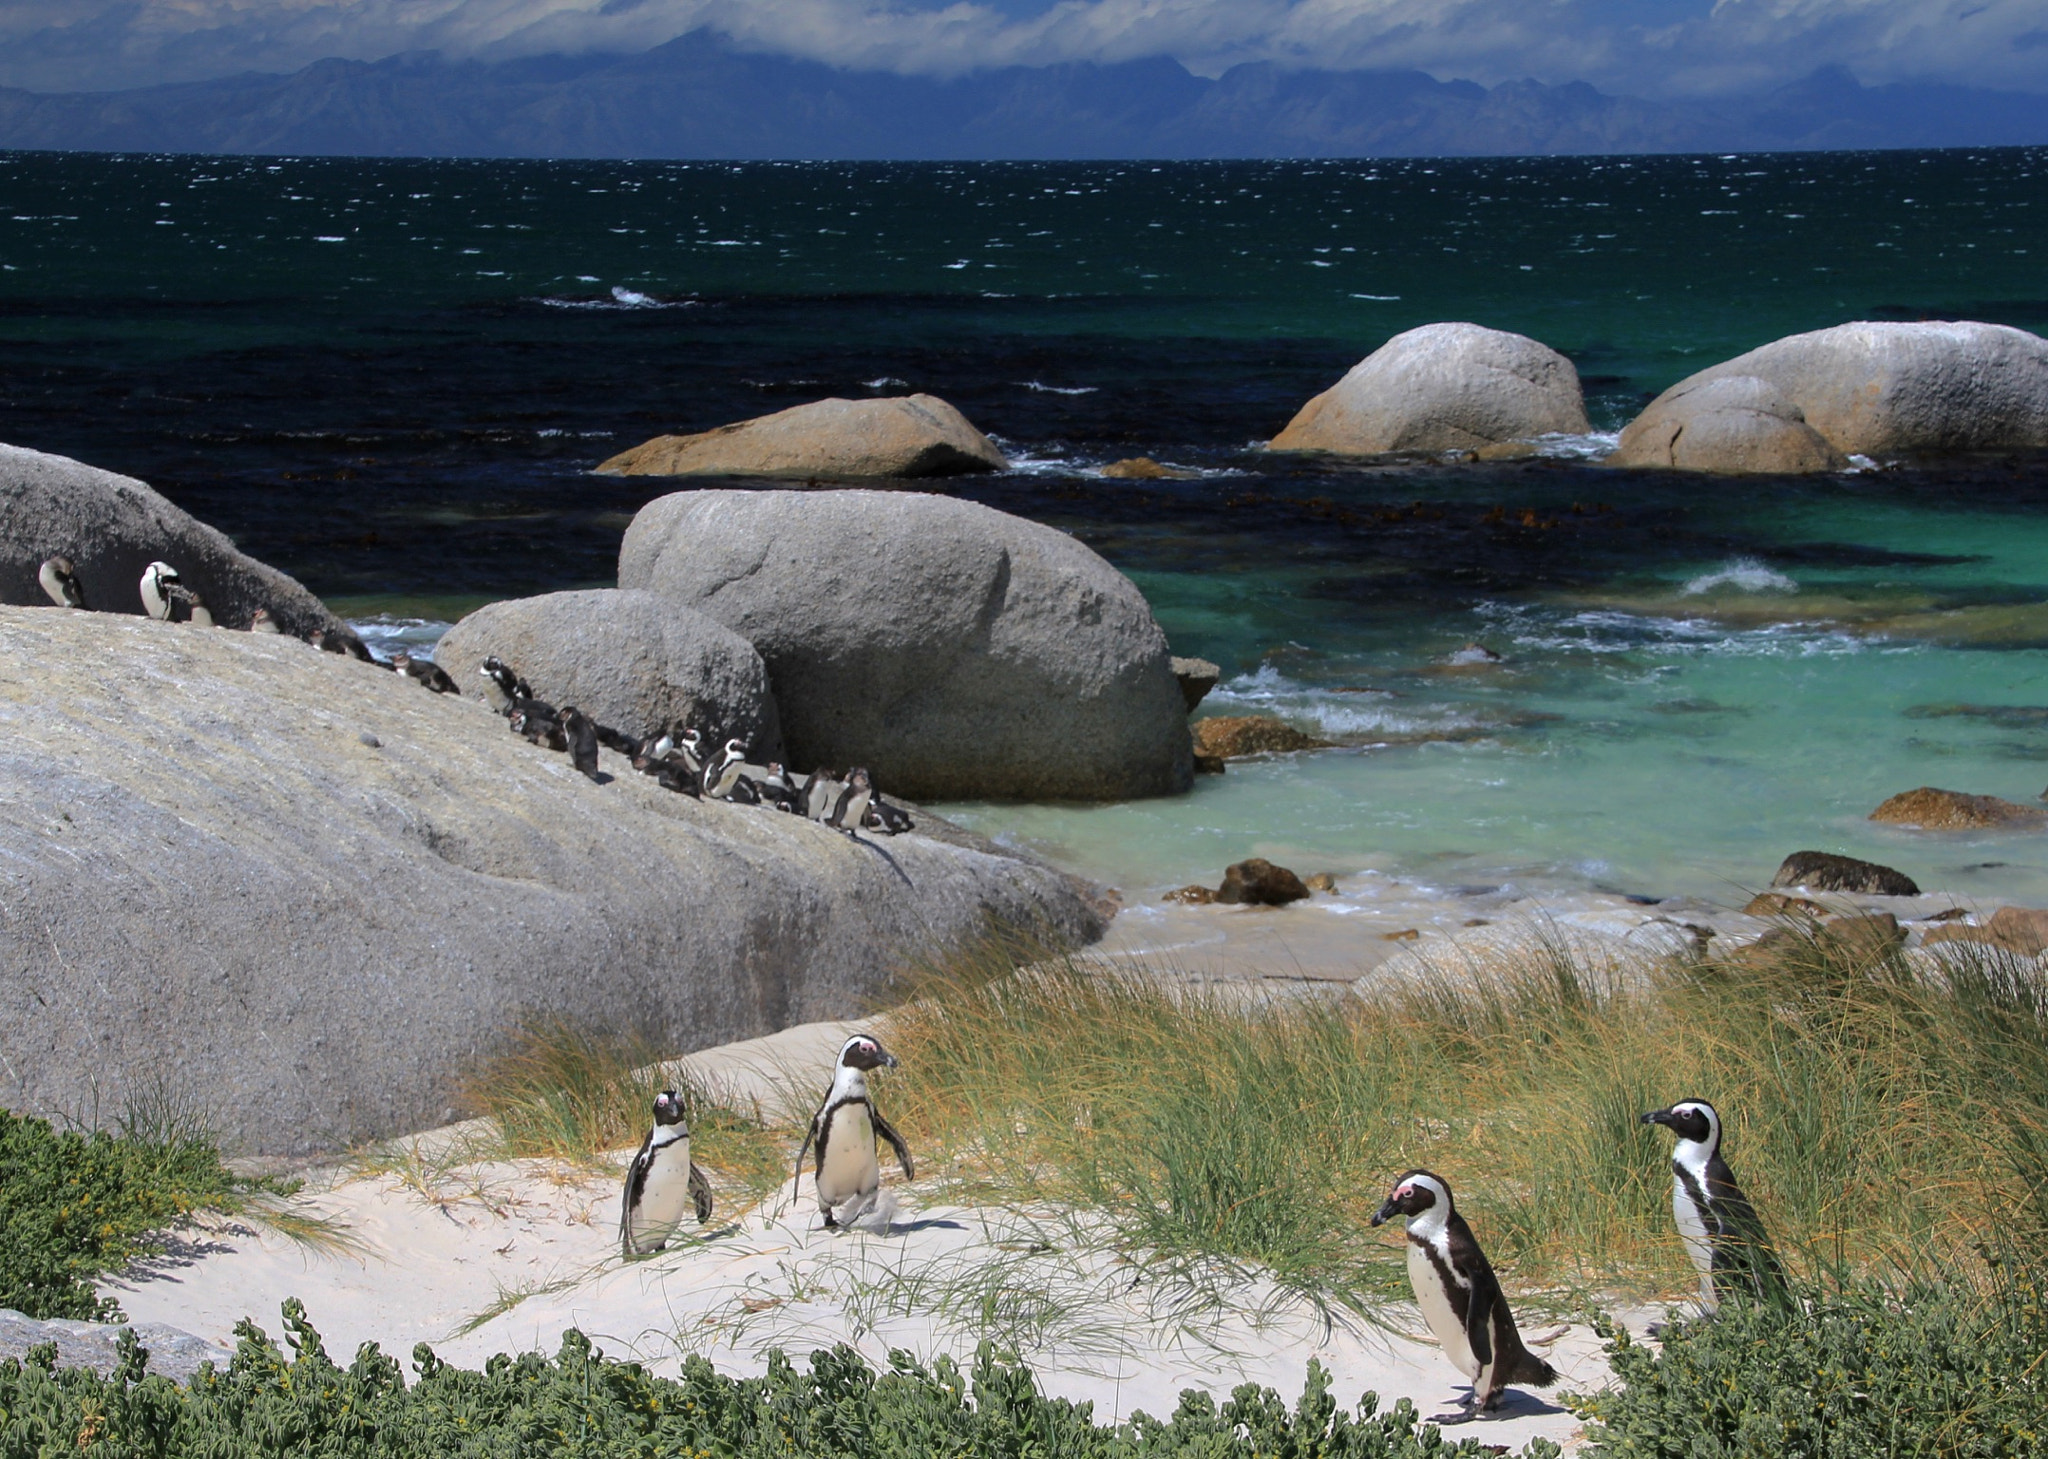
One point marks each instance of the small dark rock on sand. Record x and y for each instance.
(1818, 871)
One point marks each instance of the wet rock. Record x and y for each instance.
(1954, 810)
(1406, 934)
(2020, 930)
(1508, 451)
(910, 435)
(1142, 468)
(1322, 881)
(112, 527)
(1191, 896)
(1725, 423)
(1443, 387)
(1471, 656)
(636, 661)
(1196, 678)
(1777, 904)
(1880, 389)
(1258, 882)
(1234, 737)
(956, 651)
(1820, 871)
(1209, 764)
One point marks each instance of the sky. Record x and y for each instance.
(1657, 48)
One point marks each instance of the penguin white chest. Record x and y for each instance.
(664, 1196)
(849, 1167)
(1434, 1299)
(1692, 1230)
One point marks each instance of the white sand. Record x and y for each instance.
(464, 1241)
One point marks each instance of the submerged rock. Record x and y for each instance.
(1258, 882)
(909, 435)
(1725, 423)
(1879, 389)
(1821, 871)
(1955, 810)
(1142, 468)
(112, 527)
(217, 893)
(1238, 736)
(1442, 387)
(956, 651)
(638, 662)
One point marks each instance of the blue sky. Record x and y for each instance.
(1638, 47)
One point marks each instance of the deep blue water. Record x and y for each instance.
(392, 377)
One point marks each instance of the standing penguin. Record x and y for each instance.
(1722, 1232)
(852, 808)
(582, 736)
(821, 794)
(1459, 1295)
(844, 1130)
(165, 596)
(60, 580)
(662, 1182)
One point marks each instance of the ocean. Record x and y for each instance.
(391, 379)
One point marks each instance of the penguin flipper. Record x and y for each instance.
(888, 1132)
(797, 1180)
(636, 1181)
(700, 1193)
(1741, 1246)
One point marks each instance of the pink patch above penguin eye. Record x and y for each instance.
(1406, 1190)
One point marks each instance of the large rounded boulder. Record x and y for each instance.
(302, 896)
(639, 662)
(1443, 387)
(910, 435)
(112, 527)
(1883, 389)
(1726, 423)
(954, 650)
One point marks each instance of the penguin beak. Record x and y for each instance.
(890, 1059)
(1385, 1213)
(1657, 1117)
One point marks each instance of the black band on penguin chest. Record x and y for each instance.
(1457, 1293)
(825, 1122)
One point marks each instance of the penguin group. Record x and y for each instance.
(1461, 1298)
(167, 598)
(663, 1184)
(679, 759)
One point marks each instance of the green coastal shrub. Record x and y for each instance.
(75, 1206)
(1933, 1371)
(581, 1404)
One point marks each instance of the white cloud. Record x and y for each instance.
(1633, 46)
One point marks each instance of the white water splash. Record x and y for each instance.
(1744, 574)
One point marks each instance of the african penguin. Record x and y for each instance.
(499, 683)
(426, 671)
(852, 806)
(821, 794)
(166, 597)
(1721, 1230)
(1459, 1295)
(582, 737)
(844, 1131)
(618, 740)
(60, 581)
(662, 1182)
(690, 745)
(261, 622)
(724, 776)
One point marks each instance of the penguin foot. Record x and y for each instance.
(1456, 1416)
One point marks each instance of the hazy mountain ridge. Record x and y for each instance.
(699, 97)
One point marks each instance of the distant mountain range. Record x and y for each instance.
(700, 97)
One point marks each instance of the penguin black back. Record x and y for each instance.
(582, 737)
(1460, 1297)
(1722, 1232)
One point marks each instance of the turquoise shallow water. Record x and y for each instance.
(392, 379)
